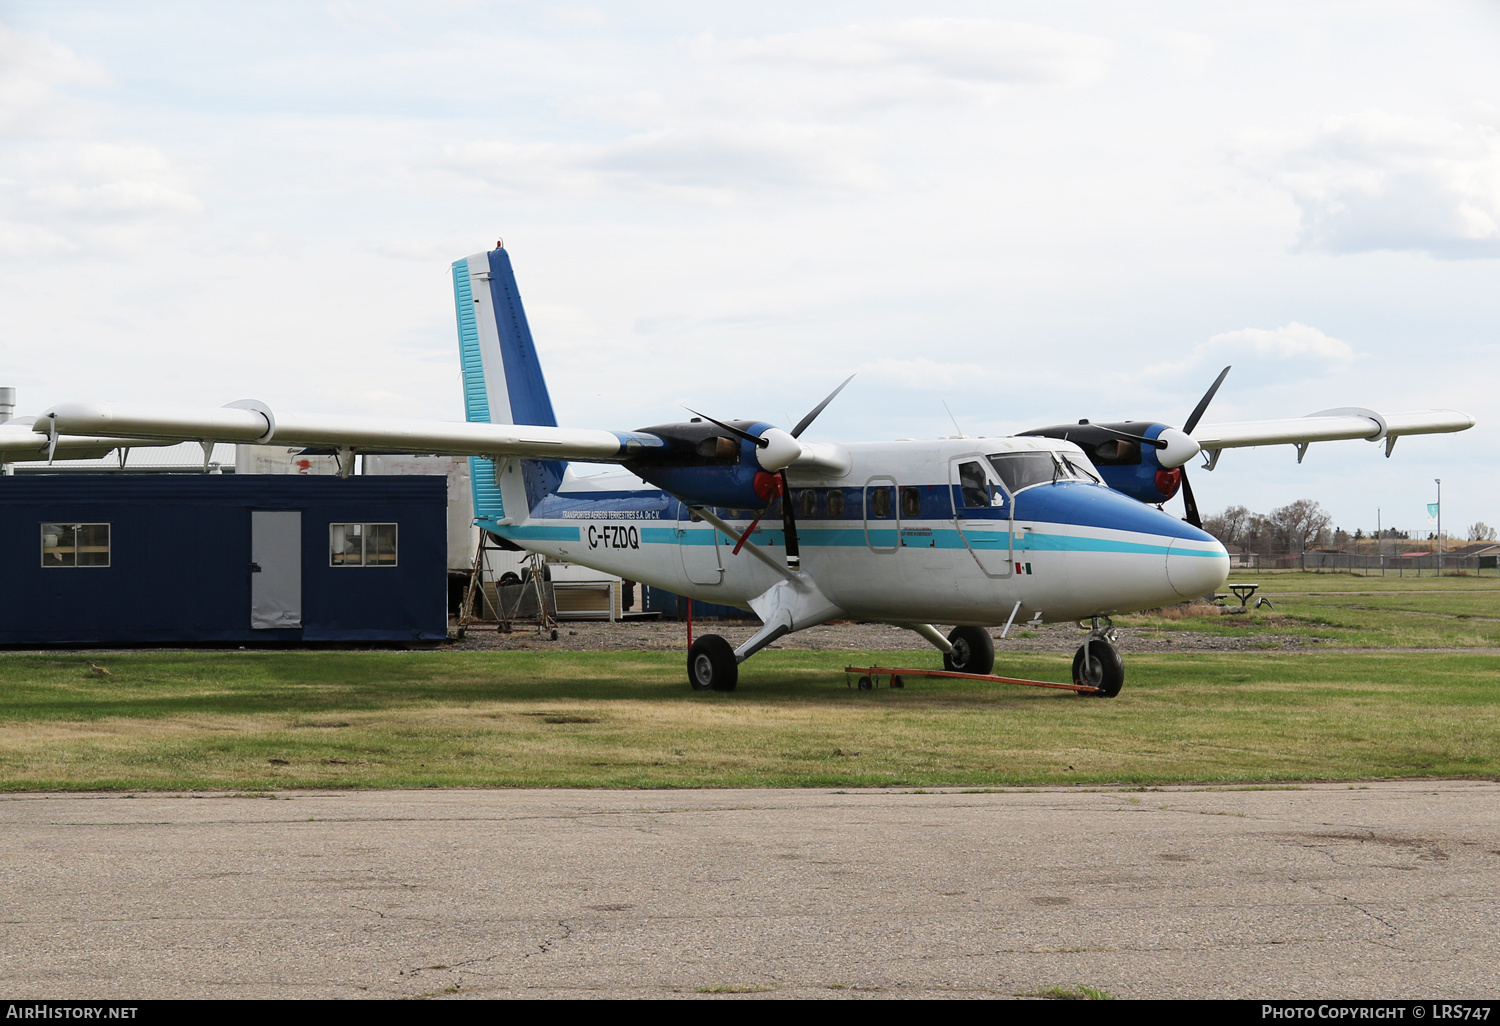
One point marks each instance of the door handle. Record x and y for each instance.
(255, 568)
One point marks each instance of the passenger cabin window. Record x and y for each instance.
(75, 545)
(835, 502)
(808, 507)
(881, 500)
(911, 503)
(361, 544)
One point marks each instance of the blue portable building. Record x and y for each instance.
(166, 558)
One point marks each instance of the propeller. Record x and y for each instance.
(778, 449)
(782, 489)
(1190, 504)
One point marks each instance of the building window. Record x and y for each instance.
(75, 545)
(361, 544)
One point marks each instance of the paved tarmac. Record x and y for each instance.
(1385, 890)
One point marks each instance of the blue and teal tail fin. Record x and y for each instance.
(503, 382)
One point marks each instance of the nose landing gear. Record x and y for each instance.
(1097, 663)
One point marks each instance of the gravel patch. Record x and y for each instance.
(666, 636)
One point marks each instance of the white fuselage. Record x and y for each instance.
(1063, 549)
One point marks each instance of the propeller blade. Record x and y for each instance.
(1155, 443)
(747, 436)
(1190, 502)
(803, 424)
(1197, 413)
(789, 520)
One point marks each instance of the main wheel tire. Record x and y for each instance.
(973, 651)
(1105, 669)
(711, 665)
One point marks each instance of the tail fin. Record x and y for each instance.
(503, 382)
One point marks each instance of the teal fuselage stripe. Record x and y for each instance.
(845, 537)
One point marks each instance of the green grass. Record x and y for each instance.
(257, 722)
(1308, 581)
(1357, 612)
(267, 721)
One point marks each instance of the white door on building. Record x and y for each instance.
(275, 569)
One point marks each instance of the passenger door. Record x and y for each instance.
(982, 512)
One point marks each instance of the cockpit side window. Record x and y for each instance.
(975, 484)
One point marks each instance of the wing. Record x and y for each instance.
(21, 442)
(1327, 426)
(249, 421)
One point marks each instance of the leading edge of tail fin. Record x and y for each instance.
(502, 378)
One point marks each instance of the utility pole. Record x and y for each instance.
(1440, 524)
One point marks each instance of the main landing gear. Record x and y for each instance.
(973, 651)
(1097, 663)
(712, 665)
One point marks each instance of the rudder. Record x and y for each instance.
(502, 378)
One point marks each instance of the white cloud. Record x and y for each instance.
(1378, 181)
(66, 182)
(930, 375)
(1290, 342)
(108, 181)
(67, 195)
(972, 50)
(700, 162)
(31, 69)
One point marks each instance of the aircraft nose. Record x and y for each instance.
(1197, 565)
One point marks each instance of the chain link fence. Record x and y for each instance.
(1399, 564)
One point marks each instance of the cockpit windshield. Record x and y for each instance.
(1023, 469)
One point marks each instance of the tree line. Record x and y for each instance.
(1298, 527)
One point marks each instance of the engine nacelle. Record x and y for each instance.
(702, 463)
(1125, 464)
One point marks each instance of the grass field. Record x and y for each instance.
(257, 721)
(1357, 612)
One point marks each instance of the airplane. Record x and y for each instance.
(1061, 523)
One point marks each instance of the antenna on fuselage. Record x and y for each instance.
(961, 432)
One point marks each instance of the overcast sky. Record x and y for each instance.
(1033, 212)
